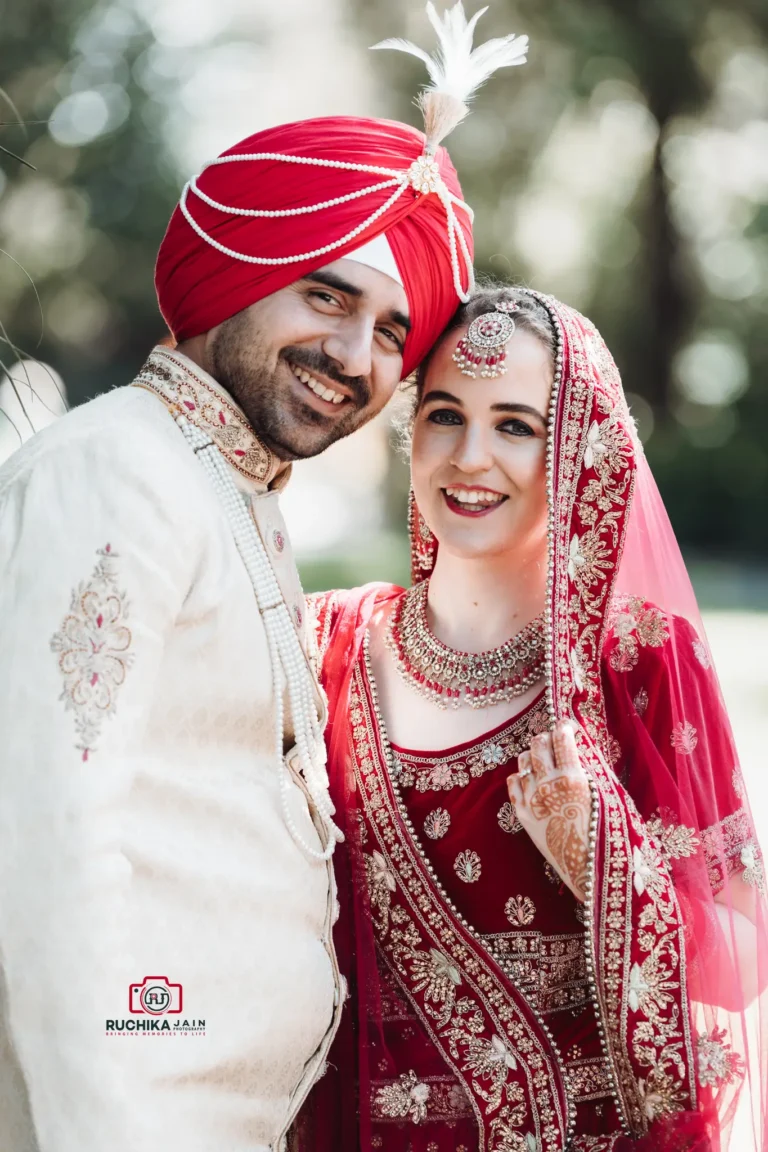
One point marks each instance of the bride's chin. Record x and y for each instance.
(471, 543)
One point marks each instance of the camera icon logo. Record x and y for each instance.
(155, 995)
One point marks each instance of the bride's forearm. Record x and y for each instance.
(739, 935)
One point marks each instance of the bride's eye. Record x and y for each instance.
(517, 428)
(444, 416)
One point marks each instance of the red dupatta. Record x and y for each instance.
(670, 825)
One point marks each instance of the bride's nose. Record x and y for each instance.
(472, 453)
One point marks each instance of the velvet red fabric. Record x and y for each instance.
(198, 287)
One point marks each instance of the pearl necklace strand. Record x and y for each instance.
(286, 655)
(423, 176)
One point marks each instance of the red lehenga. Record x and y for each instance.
(489, 1011)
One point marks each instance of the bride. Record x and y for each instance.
(552, 911)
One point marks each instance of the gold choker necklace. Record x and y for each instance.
(448, 677)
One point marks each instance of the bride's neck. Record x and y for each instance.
(475, 605)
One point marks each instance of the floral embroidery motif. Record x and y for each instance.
(641, 702)
(589, 559)
(636, 625)
(187, 394)
(445, 1101)
(753, 867)
(520, 910)
(491, 1060)
(588, 1079)
(406, 1099)
(676, 841)
(437, 823)
(456, 770)
(507, 817)
(596, 448)
(722, 844)
(381, 884)
(717, 1063)
(468, 866)
(684, 738)
(645, 869)
(93, 645)
(701, 652)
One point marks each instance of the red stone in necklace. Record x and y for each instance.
(449, 677)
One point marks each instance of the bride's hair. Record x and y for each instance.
(530, 316)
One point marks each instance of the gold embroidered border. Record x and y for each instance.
(442, 1099)
(187, 394)
(723, 843)
(551, 970)
(458, 768)
(643, 1005)
(588, 1079)
(485, 1034)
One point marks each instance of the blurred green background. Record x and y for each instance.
(624, 168)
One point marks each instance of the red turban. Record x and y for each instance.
(199, 286)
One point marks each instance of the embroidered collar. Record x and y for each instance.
(188, 390)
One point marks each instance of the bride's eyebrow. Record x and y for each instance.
(436, 394)
(439, 394)
(519, 408)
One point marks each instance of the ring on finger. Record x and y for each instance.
(523, 772)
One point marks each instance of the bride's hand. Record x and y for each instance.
(550, 793)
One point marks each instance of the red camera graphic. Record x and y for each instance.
(155, 996)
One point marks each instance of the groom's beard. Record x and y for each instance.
(271, 396)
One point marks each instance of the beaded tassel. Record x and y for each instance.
(483, 346)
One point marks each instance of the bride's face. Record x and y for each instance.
(478, 457)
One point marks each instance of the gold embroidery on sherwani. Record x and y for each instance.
(484, 1032)
(186, 393)
(93, 645)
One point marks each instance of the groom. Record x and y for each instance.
(167, 973)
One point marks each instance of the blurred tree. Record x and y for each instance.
(85, 224)
(585, 172)
(623, 168)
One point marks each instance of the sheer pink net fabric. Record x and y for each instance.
(702, 818)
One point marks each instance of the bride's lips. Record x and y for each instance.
(460, 500)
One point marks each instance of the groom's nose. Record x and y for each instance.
(351, 345)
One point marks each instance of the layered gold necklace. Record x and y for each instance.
(449, 677)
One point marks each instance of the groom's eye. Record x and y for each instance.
(321, 297)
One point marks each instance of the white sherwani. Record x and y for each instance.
(140, 824)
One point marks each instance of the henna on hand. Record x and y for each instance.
(565, 803)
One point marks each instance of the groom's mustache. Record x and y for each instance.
(317, 364)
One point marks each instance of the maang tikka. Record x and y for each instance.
(483, 346)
